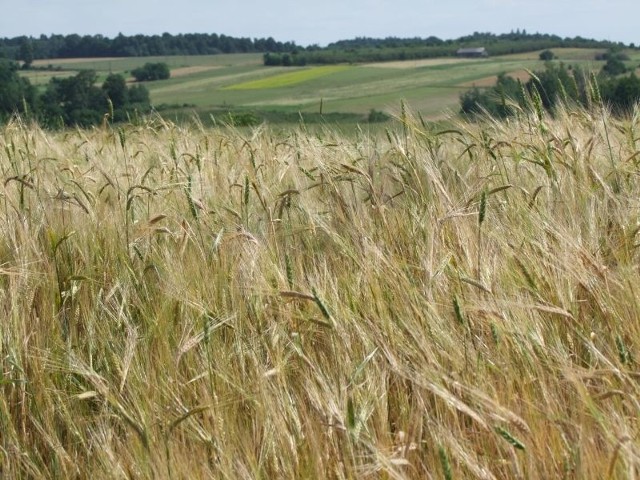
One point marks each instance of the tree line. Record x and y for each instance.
(87, 46)
(360, 49)
(364, 49)
(74, 101)
(615, 86)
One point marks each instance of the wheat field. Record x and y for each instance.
(179, 302)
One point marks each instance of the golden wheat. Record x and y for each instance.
(190, 303)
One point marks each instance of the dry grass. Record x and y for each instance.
(57, 61)
(422, 62)
(185, 303)
(186, 71)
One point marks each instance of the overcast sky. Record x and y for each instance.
(323, 21)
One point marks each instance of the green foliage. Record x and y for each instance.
(139, 97)
(79, 101)
(76, 100)
(474, 101)
(615, 59)
(76, 46)
(388, 49)
(293, 59)
(272, 59)
(614, 66)
(239, 119)
(510, 438)
(446, 464)
(151, 72)
(377, 116)
(621, 94)
(360, 49)
(16, 93)
(547, 55)
(115, 88)
(555, 83)
(546, 88)
(614, 52)
(497, 101)
(26, 53)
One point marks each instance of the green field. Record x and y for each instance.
(288, 79)
(215, 83)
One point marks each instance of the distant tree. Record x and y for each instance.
(476, 101)
(115, 88)
(272, 59)
(547, 55)
(614, 66)
(16, 93)
(377, 116)
(123, 99)
(151, 71)
(26, 53)
(621, 94)
(497, 101)
(557, 83)
(139, 97)
(74, 100)
(79, 101)
(299, 59)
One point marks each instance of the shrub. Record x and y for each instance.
(151, 71)
(547, 55)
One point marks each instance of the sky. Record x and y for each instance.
(324, 21)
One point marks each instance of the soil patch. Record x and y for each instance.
(184, 71)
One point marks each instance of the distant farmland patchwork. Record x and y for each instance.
(288, 79)
(240, 82)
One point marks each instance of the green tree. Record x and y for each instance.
(115, 89)
(272, 59)
(614, 66)
(621, 94)
(151, 72)
(17, 95)
(26, 53)
(555, 83)
(139, 97)
(75, 100)
(474, 101)
(547, 55)
(497, 101)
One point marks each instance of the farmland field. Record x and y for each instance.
(240, 82)
(288, 79)
(188, 302)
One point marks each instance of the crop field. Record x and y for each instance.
(184, 302)
(217, 83)
(288, 79)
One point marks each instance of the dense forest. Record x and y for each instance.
(87, 46)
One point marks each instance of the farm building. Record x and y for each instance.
(472, 52)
